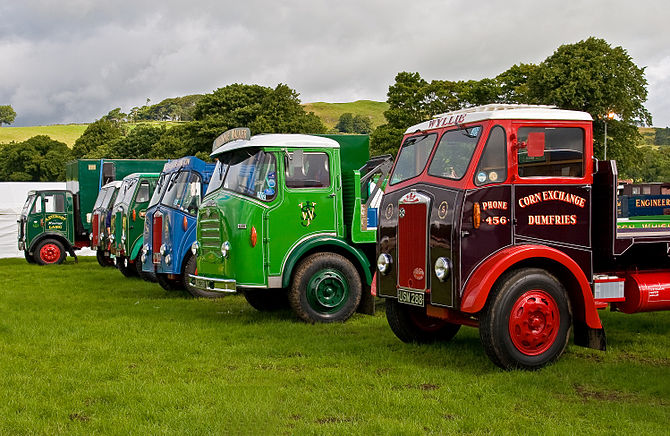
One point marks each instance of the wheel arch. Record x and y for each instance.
(566, 270)
(137, 245)
(60, 238)
(321, 244)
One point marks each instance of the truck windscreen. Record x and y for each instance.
(413, 157)
(250, 172)
(163, 182)
(126, 192)
(175, 189)
(27, 204)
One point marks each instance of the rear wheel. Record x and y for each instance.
(326, 288)
(267, 300)
(126, 268)
(49, 251)
(191, 267)
(411, 324)
(527, 320)
(167, 283)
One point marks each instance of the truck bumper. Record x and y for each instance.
(212, 284)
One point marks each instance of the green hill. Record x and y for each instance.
(67, 133)
(330, 112)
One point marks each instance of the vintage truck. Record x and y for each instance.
(58, 222)
(127, 223)
(169, 225)
(101, 222)
(499, 217)
(291, 217)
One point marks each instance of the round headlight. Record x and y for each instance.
(123, 239)
(90, 236)
(163, 250)
(144, 257)
(384, 263)
(111, 237)
(145, 249)
(442, 268)
(168, 259)
(225, 248)
(195, 247)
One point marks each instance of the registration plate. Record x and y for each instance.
(200, 283)
(411, 297)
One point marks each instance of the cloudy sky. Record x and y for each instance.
(71, 61)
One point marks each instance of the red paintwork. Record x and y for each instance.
(467, 182)
(646, 292)
(157, 236)
(50, 253)
(412, 246)
(451, 316)
(534, 322)
(96, 230)
(481, 281)
(373, 287)
(80, 244)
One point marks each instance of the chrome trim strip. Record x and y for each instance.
(213, 284)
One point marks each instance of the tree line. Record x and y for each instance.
(589, 76)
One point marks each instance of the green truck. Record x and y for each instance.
(127, 222)
(55, 223)
(291, 217)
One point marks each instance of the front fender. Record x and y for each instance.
(484, 277)
(322, 241)
(136, 247)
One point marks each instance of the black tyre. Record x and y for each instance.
(267, 300)
(102, 259)
(48, 252)
(167, 283)
(29, 258)
(146, 276)
(410, 324)
(326, 288)
(526, 321)
(126, 268)
(191, 267)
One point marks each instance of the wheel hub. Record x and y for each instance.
(534, 322)
(50, 253)
(327, 291)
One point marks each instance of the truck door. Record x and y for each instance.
(486, 226)
(552, 193)
(55, 213)
(309, 205)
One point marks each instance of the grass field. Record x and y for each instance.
(84, 350)
(67, 133)
(330, 112)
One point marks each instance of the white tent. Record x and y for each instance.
(12, 197)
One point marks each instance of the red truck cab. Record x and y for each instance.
(499, 217)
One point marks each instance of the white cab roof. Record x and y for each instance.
(278, 140)
(500, 112)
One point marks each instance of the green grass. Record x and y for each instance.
(84, 350)
(67, 133)
(330, 112)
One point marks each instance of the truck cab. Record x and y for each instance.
(170, 222)
(46, 226)
(499, 217)
(101, 222)
(282, 219)
(127, 222)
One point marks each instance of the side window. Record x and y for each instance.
(142, 192)
(108, 172)
(37, 206)
(54, 203)
(193, 194)
(307, 170)
(492, 167)
(563, 153)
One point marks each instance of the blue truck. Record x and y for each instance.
(170, 224)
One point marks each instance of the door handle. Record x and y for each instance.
(464, 233)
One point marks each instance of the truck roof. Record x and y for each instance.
(500, 112)
(114, 183)
(138, 175)
(278, 140)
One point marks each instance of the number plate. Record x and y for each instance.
(200, 283)
(410, 297)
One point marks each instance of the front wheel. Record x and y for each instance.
(326, 288)
(266, 300)
(411, 324)
(49, 251)
(103, 260)
(527, 320)
(191, 268)
(29, 258)
(126, 268)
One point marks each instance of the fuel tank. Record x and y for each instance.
(646, 292)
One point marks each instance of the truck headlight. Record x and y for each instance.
(145, 249)
(225, 248)
(123, 238)
(442, 268)
(163, 250)
(384, 262)
(195, 248)
(90, 236)
(168, 259)
(111, 237)
(88, 218)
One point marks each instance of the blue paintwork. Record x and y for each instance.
(177, 240)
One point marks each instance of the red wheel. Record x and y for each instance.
(49, 251)
(527, 320)
(534, 322)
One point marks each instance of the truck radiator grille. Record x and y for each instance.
(210, 235)
(412, 233)
(157, 237)
(95, 228)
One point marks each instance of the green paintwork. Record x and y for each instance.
(41, 223)
(295, 223)
(123, 222)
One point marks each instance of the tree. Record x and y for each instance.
(346, 123)
(97, 134)
(116, 116)
(662, 136)
(38, 159)
(7, 115)
(362, 124)
(593, 77)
